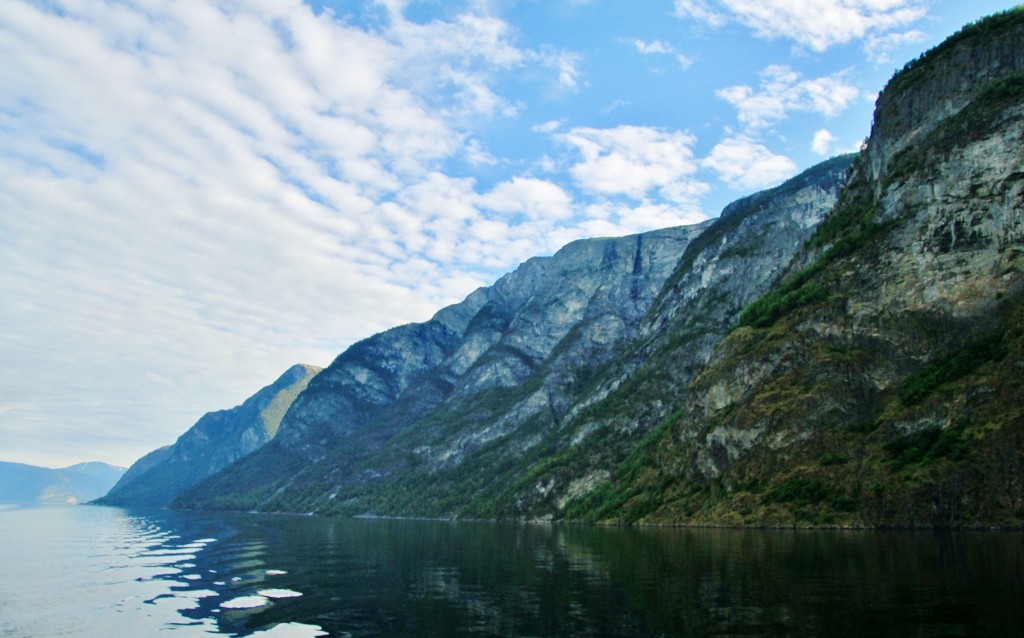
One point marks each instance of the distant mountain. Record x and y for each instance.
(80, 483)
(216, 440)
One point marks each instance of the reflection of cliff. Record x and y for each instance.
(415, 578)
(735, 581)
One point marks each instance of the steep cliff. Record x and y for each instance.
(215, 441)
(879, 382)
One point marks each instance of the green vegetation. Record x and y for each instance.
(950, 367)
(802, 491)
(770, 308)
(985, 30)
(626, 496)
(926, 446)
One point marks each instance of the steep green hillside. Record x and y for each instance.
(879, 383)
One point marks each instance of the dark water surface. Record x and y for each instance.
(98, 571)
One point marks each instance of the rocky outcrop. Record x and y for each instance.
(215, 441)
(732, 263)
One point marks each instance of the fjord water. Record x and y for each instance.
(99, 571)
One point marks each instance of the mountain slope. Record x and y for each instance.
(215, 441)
(494, 358)
(20, 483)
(441, 418)
(879, 382)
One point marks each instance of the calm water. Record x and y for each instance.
(96, 571)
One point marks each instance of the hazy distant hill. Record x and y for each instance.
(216, 440)
(20, 483)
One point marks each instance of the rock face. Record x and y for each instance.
(879, 382)
(845, 349)
(20, 483)
(445, 418)
(215, 441)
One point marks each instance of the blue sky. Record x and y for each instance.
(196, 195)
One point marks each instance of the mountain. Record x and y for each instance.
(440, 418)
(20, 483)
(215, 441)
(844, 349)
(879, 382)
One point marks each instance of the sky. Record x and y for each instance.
(195, 195)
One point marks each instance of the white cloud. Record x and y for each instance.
(195, 198)
(477, 155)
(816, 24)
(822, 142)
(615, 105)
(879, 47)
(744, 163)
(653, 47)
(533, 198)
(700, 10)
(631, 160)
(784, 90)
(547, 127)
(565, 62)
(685, 61)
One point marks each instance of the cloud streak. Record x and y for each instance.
(198, 195)
(815, 24)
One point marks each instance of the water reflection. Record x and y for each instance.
(146, 572)
(422, 578)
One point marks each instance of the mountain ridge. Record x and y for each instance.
(531, 346)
